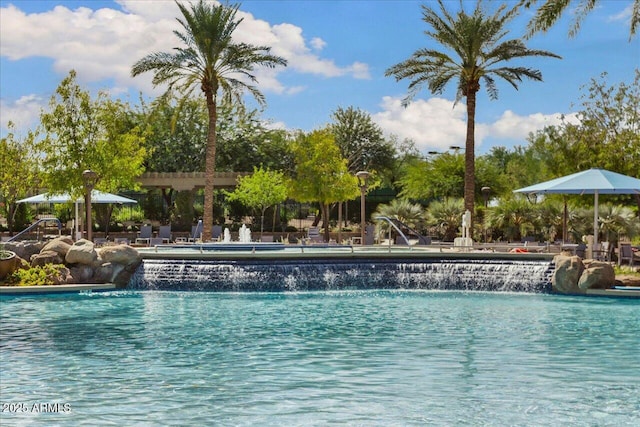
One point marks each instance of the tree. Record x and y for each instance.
(19, 172)
(473, 51)
(261, 190)
(551, 10)
(321, 174)
(83, 133)
(606, 134)
(361, 141)
(209, 60)
(437, 177)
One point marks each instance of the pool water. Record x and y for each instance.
(317, 358)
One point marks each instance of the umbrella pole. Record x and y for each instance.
(595, 220)
(565, 214)
(76, 221)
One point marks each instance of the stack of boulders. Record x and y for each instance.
(84, 263)
(573, 275)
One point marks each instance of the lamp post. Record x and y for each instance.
(90, 178)
(362, 183)
(485, 194)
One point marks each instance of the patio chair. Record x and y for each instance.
(164, 233)
(144, 235)
(154, 241)
(625, 253)
(216, 232)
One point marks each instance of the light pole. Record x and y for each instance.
(485, 194)
(362, 183)
(90, 178)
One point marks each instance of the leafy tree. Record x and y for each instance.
(361, 141)
(81, 134)
(19, 174)
(550, 11)
(321, 174)
(472, 51)
(211, 61)
(260, 190)
(437, 177)
(606, 135)
(177, 134)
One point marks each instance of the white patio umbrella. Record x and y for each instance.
(96, 197)
(592, 181)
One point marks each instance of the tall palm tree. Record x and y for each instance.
(209, 60)
(551, 10)
(473, 51)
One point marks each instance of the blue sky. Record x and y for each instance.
(338, 51)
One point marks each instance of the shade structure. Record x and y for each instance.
(592, 181)
(96, 197)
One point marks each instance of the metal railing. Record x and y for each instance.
(36, 224)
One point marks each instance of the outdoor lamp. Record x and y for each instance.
(362, 176)
(90, 178)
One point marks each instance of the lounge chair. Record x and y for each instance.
(145, 234)
(164, 233)
(216, 232)
(156, 241)
(625, 253)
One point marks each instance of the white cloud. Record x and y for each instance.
(431, 124)
(24, 113)
(317, 43)
(624, 15)
(103, 44)
(434, 124)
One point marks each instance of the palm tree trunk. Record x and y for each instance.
(210, 168)
(469, 157)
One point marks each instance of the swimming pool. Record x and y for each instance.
(368, 357)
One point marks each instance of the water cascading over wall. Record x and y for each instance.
(335, 274)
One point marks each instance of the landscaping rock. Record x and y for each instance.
(24, 249)
(60, 245)
(46, 257)
(81, 273)
(120, 254)
(103, 273)
(81, 252)
(597, 275)
(567, 274)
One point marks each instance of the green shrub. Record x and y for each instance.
(48, 274)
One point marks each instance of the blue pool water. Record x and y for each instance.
(369, 357)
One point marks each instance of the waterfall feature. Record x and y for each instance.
(332, 274)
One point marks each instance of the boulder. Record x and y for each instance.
(81, 252)
(24, 249)
(597, 275)
(81, 273)
(567, 274)
(120, 254)
(103, 273)
(59, 245)
(46, 257)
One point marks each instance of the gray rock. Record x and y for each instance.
(120, 254)
(81, 252)
(567, 274)
(597, 275)
(59, 245)
(45, 257)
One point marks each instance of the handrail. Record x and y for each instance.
(29, 228)
(392, 223)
